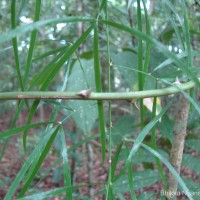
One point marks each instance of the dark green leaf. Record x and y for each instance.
(98, 84)
(36, 165)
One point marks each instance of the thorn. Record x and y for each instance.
(177, 82)
(85, 93)
(134, 104)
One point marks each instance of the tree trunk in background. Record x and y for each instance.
(180, 127)
(151, 7)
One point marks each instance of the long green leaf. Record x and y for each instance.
(30, 116)
(97, 69)
(54, 72)
(64, 148)
(185, 27)
(66, 167)
(169, 61)
(18, 130)
(30, 51)
(171, 169)
(110, 194)
(130, 176)
(148, 44)
(15, 46)
(16, 55)
(87, 139)
(49, 53)
(115, 160)
(102, 5)
(154, 145)
(173, 22)
(33, 156)
(158, 45)
(35, 167)
(141, 137)
(40, 77)
(20, 30)
(187, 33)
(146, 130)
(65, 57)
(32, 41)
(140, 47)
(173, 9)
(140, 60)
(56, 192)
(192, 100)
(48, 171)
(99, 89)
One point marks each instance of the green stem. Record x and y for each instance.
(95, 95)
(109, 108)
(140, 61)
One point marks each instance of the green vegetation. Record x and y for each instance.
(91, 87)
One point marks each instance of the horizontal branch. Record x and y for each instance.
(84, 95)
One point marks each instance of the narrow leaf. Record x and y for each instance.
(54, 72)
(15, 45)
(115, 160)
(35, 167)
(49, 53)
(146, 130)
(39, 78)
(102, 5)
(154, 145)
(99, 89)
(30, 52)
(57, 191)
(170, 61)
(32, 41)
(20, 30)
(140, 60)
(157, 44)
(173, 22)
(148, 44)
(192, 101)
(66, 167)
(78, 144)
(33, 156)
(130, 177)
(171, 169)
(18, 130)
(187, 33)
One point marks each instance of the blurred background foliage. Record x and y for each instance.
(80, 117)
